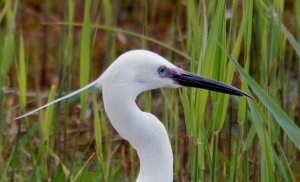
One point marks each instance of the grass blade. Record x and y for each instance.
(85, 56)
(22, 74)
(286, 123)
(265, 141)
(46, 125)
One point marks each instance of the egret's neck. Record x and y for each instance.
(144, 132)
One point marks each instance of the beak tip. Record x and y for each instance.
(247, 95)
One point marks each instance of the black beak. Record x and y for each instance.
(192, 80)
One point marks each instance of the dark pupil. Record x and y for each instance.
(162, 69)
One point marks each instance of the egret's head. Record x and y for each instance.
(144, 70)
(139, 69)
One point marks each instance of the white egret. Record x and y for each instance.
(131, 74)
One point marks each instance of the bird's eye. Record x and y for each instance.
(161, 70)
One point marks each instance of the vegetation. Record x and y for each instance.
(49, 48)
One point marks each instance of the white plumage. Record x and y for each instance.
(131, 74)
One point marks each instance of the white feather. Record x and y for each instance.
(59, 99)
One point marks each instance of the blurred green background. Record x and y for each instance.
(49, 48)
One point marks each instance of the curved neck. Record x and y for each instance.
(143, 131)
